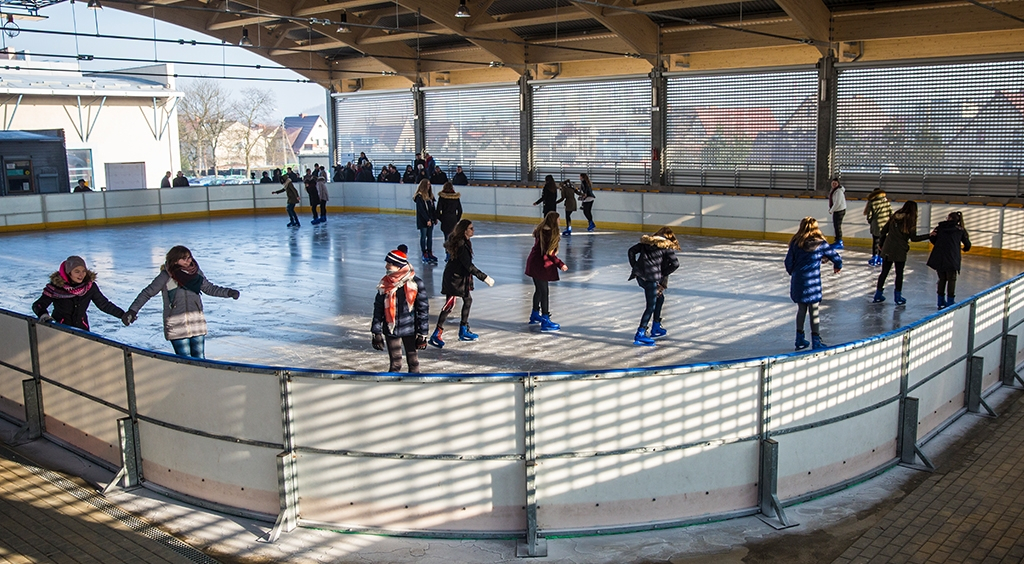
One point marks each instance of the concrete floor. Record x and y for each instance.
(307, 293)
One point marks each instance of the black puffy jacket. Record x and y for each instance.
(407, 323)
(73, 311)
(947, 238)
(653, 259)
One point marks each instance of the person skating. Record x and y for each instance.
(71, 289)
(652, 260)
(837, 207)
(548, 196)
(314, 196)
(426, 217)
(400, 312)
(807, 250)
(457, 282)
(896, 236)
(948, 237)
(877, 211)
(180, 283)
(569, 197)
(449, 211)
(320, 173)
(542, 265)
(293, 200)
(587, 200)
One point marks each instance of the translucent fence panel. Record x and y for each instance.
(815, 399)
(1016, 309)
(82, 423)
(209, 399)
(84, 365)
(615, 451)
(988, 330)
(225, 472)
(14, 346)
(220, 436)
(443, 455)
(937, 369)
(15, 352)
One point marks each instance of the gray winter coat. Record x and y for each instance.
(183, 309)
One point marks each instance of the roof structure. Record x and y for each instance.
(66, 79)
(371, 44)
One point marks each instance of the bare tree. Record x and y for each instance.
(203, 115)
(252, 112)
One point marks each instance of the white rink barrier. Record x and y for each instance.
(998, 228)
(527, 455)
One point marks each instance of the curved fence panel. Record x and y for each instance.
(445, 455)
(209, 469)
(210, 432)
(813, 399)
(637, 448)
(15, 364)
(988, 330)
(84, 390)
(84, 365)
(937, 368)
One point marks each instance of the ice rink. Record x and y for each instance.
(307, 293)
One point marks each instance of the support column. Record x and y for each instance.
(332, 129)
(525, 129)
(658, 87)
(828, 82)
(418, 122)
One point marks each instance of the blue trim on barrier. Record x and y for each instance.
(472, 377)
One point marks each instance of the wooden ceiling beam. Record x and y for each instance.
(637, 30)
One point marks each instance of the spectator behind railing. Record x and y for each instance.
(383, 176)
(410, 175)
(349, 174)
(460, 177)
(338, 175)
(365, 173)
(438, 177)
(393, 174)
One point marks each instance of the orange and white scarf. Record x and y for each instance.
(389, 286)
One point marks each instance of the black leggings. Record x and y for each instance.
(395, 353)
(587, 211)
(876, 245)
(568, 218)
(540, 296)
(947, 283)
(837, 222)
(886, 265)
(449, 305)
(801, 313)
(323, 209)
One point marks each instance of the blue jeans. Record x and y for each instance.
(427, 240)
(654, 302)
(291, 213)
(192, 346)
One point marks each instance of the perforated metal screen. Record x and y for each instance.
(949, 128)
(379, 124)
(602, 128)
(477, 128)
(755, 130)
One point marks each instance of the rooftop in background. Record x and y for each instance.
(299, 128)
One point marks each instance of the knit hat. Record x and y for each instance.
(72, 261)
(397, 258)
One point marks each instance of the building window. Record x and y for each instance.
(80, 165)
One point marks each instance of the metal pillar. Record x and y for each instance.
(907, 446)
(768, 483)
(131, 456)
(287, 467)
(419, 124)
(658, 120)
(975, 371)
(32, 391)
(828, 82)
(525, 129)
(534, 545)
(1008, 361)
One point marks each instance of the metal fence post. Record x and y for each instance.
(533, 545)
(32, 390)
(128, 432)
(907, 445)
(975, 371)
(1008, 361)
(768, 482)
(287, 475)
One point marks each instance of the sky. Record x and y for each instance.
(292, 97)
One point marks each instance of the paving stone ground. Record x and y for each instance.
(41, 521)
(971, 510)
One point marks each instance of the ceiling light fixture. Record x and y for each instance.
(94, 5)
(245, 41)
(463, 11)
(343, 27)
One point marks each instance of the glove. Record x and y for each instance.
(421, 342)
(45, 318)
(489, 281)
(129, 317)
(378, 341)
(233, 294)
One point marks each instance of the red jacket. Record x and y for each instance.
(541, 265)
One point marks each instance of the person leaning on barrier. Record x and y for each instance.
(165, 182)
(180, 180)
(460, 177)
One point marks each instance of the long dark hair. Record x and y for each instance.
(549, 183)
(458, 238)
(907, 222)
